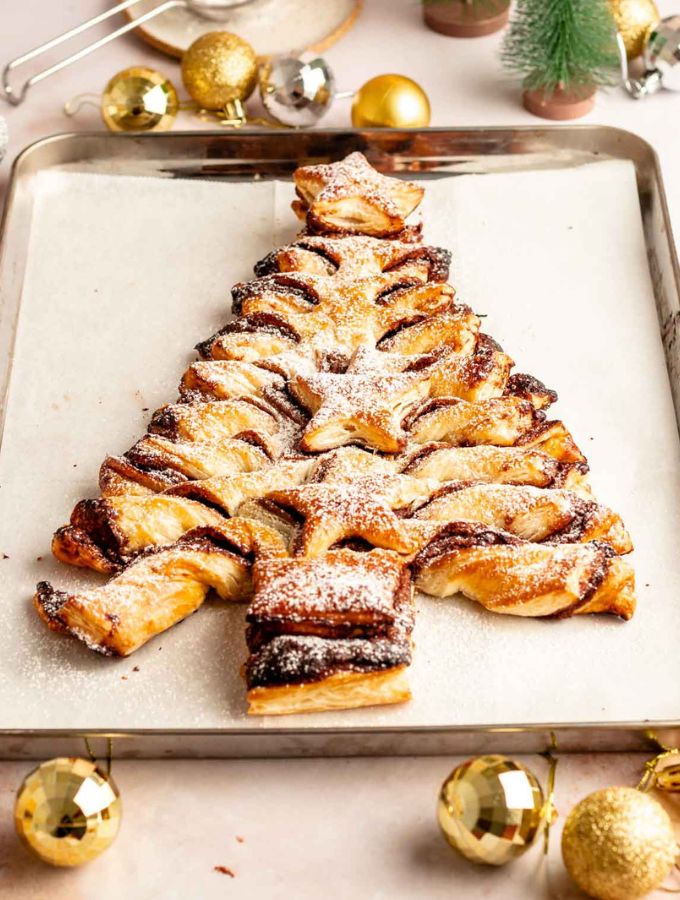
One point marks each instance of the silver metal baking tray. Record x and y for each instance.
(53, 693)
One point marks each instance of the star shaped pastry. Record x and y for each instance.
(363, 508)
(360, 408)
(351, 196)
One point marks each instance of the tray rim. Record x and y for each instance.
(635, 735)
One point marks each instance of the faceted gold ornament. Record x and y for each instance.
(139, 99)
(491, 809)
(634, 20)
(618, 844)
(390, 101)
(219, 68)
(67, 811)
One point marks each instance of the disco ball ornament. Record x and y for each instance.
(661, 58)
(139, 99)
(297, 93)
(491, 809)
(67, 811)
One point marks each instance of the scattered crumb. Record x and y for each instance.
(123, 677)
(646, 585)
(5, 556)
(160, 648)
(135, 668)
(38, 559)
(570, 227)
(240, 839)
(224, 870)
(75, 465)
(145, 409)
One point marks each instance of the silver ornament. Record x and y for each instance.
(661, 57)
(296, 93)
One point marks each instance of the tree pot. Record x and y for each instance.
(561, 103)
(466, 18)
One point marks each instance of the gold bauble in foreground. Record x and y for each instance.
(219, 68)
(390, 101)
(491, 809)
(139, 99)
(67, 811)
(618, 844)
(634, 20)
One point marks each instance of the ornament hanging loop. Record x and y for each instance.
(73, 106)
(109, 754)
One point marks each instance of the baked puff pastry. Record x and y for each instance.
(534, 514)
(327, 513)
(303, 674)
(159, 589)
(357, 408)
(341, 594)
(351, 196)
(499, 465)
(514, 577)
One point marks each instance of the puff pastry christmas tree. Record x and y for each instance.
(350, 435)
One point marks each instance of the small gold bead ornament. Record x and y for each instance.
(390, 101)
(67, 811)
(219, 68)
(491, 809)
(618, 844)
(634, 20)
(139, 99)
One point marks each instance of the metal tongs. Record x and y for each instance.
(207, 9)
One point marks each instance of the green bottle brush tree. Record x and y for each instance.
(565, 49)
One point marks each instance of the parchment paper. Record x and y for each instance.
(126, 274)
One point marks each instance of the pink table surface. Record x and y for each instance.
(335, 828)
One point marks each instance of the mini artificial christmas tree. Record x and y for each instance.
(565, 49)
(466, 18)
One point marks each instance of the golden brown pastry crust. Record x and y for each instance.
(160, 588)
(507, 575)
(351, 196)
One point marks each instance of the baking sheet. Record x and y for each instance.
(125, 274)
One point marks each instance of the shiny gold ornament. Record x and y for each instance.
(491, 809)
(67, 811)
(219, 68)
(390, 101)
(618, 844)
(139, 99)
(634, 20)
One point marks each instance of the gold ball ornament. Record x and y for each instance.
(618, 844)
(634, 20)
(491, 809)
(390, 101)
(218, 68)
(67, 811)
(139, 99)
